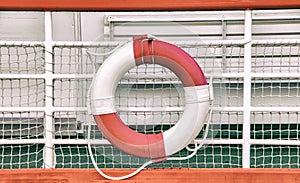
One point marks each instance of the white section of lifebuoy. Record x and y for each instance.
(107, 78)
(187, 128)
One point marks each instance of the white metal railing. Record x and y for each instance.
(247, 91)
(49, 126)
(247, 76)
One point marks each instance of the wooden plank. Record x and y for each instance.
(154, 175)
(125, 5)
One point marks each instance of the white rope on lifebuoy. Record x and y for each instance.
(142, 51)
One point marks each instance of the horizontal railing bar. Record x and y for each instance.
(41, 109)
(180, 43)
(220, 142)
(275, 109)
(21, 43)
(22, 141)
(152, 109)
(276, 75)
(195, 16)
(185, 43)
(41, 76)
(259, 109)
(136, 76)
(275, 142)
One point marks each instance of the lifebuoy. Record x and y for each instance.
(143, 50)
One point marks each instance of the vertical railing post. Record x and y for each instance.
(247, 90)
(49, 126)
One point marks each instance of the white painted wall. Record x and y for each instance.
(21, 26)
(208, 24)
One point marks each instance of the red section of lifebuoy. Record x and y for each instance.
(130, 141)
(172, 57)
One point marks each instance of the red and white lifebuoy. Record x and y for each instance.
(143, 51)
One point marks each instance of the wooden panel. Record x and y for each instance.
(121, 5)
(154, 175)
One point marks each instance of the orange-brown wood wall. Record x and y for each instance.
(125, 5)
(154, 175)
